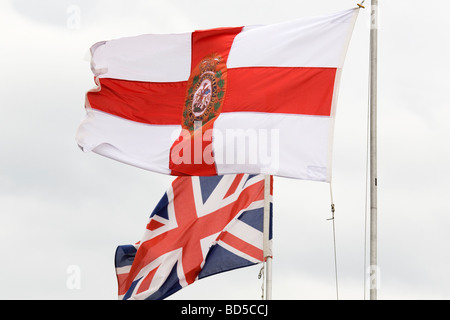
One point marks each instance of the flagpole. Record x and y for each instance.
(373, 150)
(267, 247)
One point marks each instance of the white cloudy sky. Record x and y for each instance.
(60, 207)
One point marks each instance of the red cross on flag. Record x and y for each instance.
(202, 226)
(253, 99)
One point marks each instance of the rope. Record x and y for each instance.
(366, 211)
(261, 275)
(333, 209)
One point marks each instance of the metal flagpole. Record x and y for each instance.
(373, 149)
(267, 247)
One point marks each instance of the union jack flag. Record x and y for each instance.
(200, 227)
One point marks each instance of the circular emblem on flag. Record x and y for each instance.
(205, 91)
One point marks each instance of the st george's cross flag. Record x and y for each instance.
(253, 99)
(201, 226)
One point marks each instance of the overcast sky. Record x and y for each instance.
(63, 210)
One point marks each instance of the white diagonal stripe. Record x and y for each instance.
(247, 233)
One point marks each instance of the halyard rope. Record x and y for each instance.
(333, 209)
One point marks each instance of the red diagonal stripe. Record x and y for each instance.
(234, 185)
(153, 225)
(145, 284)
(242, 245)
(122, 283)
